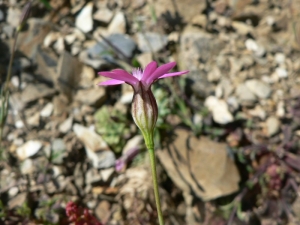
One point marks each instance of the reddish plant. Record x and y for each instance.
(80, 216)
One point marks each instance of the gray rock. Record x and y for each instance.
(105, 159)
(272, 125)
(198, 46)
(259, 88)
(245, 96)
(8, 30)
(32, 92)
(121, 41)
(96, 63)
(151, 42)
(201, 87)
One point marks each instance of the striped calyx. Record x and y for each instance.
(144, 112)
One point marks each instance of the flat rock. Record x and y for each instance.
(91, 140)
(118, 24)
(151, 42)
(199, 165)
(121, 41)
(67, 77)
(84, 20)
(32, 92)
(259, 88)
(93, 97)
(28, 149)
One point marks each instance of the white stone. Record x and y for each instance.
(26, 166)
(84, 20)
(13, 191)
(107, 173)
(219, 110)
(59, 45)
(272, 125)
(19, 124)
(280, 112)
(47, 110)
(279, 58)
(281, 72)
(251, 45)
(70, 38)
(126, 98)
(28, 149)
(118, 24)
(66, 125)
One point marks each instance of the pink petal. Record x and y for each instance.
(111, 82)
(120, 75)
(150, 68)
(173, 74)
(160, 71)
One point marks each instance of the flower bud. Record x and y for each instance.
(144, 112)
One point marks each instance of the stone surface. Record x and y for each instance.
(28, 149)
(47, 110)
(219, 109)
(245, 96)
(93, 97)
(123, 42)
(67, 77)
(151, 42)
(118, 24)
(199, 165)
(259, 88)
(84, 20)
(272, 125)
(32, 92)
(103, 15)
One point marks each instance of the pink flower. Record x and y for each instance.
(141, 78)
(144, 107)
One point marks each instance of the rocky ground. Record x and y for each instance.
(228, 132)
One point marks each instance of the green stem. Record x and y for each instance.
(155, 185)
